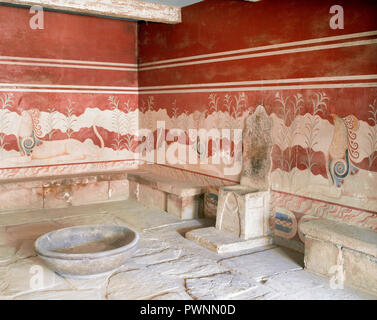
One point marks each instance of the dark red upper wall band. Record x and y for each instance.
(67, 36)
(222, 25)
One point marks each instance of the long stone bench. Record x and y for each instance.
(63, 191)
(342, 252)
(182, 199)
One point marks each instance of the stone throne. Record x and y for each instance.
(243, 210)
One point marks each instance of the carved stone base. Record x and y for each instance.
(225, 242)
(243, 211)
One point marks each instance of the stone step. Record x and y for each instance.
(223, 242)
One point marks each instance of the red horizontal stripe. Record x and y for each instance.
(321, 63)
(51, 101)
(224, 25)
(66, 76)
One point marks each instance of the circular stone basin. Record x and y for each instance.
(84, 251)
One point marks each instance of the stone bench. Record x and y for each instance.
(342, 252)
(63, 191)
(182, 199)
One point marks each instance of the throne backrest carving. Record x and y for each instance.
(256, 154)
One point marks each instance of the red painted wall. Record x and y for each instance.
(223, 25)
(227, 57)
(68, 37)
(215, 26)
(212, 70)
(199, 54)
(74, 65)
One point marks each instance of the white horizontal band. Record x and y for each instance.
(268, 47)
(267, 53)
(77, 66)
(83, 62)
(263, 82)
(253, 85)
(64, 86)
(263, 88)
(66, 91)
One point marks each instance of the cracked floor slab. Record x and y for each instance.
(165, 266)
(61, 295)
(165, 255)
(139, 284)
(29, 275)
(173, 295)
(303, 285)
(221, 286)
(263, 264)
(7, 254)
(188, 266)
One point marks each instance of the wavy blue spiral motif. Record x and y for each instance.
(28, 143)
(341, 168)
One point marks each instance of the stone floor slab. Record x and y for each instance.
(29, 275)
(188, 266)
(263, 264)
(25, 249)
(83, 220)
(158, 257)
(164, 262)
(7, 255)
(302, 285)
(146, 218)
(139, 284)
(222, 286)
(175, 295)
(95, 283)
(62, 295)
(30, 231)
